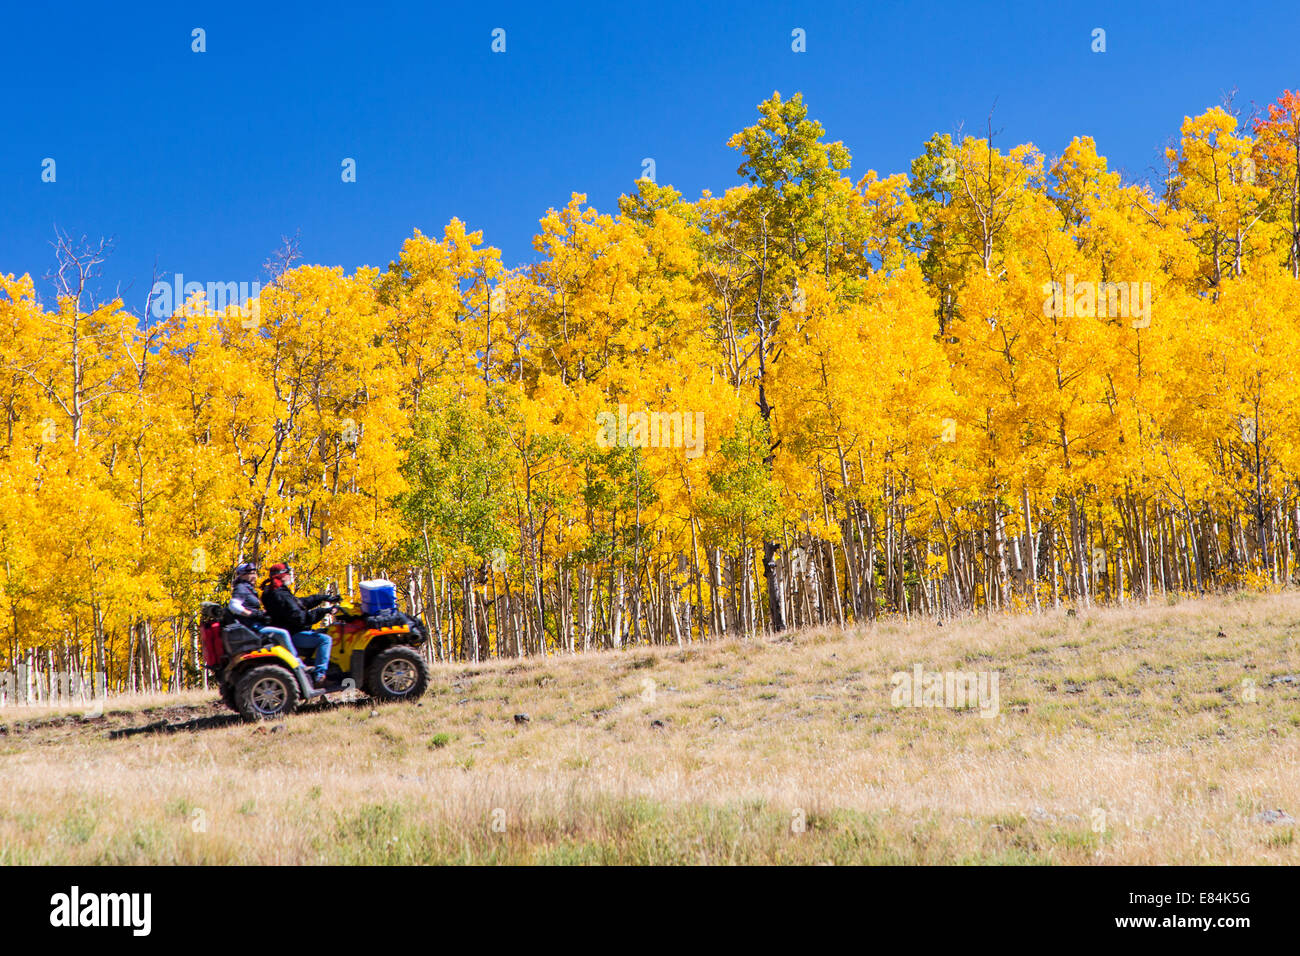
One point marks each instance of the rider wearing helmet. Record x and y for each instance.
(296, 615)
(247, 607)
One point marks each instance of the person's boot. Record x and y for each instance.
(312, 689)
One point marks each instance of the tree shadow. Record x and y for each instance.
(184, 726)
(216, 721)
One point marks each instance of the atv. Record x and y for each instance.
(376, 653)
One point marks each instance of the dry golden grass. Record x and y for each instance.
(1124, 736)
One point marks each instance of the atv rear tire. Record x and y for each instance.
(228, 696)
(398, 673)
(266, 692)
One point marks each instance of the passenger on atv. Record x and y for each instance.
(296, 616)
(246, 608)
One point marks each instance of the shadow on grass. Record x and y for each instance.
(217, 721)
(170, 727)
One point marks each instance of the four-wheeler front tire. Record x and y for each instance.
(397, 673)
(266, 692)
(228, 695)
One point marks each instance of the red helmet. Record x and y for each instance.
(275, 575)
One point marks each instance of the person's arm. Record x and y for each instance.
(245, 604)
(296, 616)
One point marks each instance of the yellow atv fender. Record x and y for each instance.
(349, 652)
(272, 650)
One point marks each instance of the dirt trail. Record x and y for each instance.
(117, 723)
(158, 719)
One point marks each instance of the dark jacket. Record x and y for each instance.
(290, 612)
(245, 596)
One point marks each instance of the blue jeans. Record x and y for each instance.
(321, 643)
(279, 635)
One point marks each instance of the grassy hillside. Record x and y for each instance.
(1162, 734)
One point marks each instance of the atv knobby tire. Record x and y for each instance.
(398, 673)
(228, 696)
(266, 692)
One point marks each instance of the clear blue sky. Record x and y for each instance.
(202, 161)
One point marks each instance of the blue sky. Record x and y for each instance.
(201, 161)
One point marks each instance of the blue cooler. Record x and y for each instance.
(378, 596)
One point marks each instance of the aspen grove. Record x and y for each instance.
(1000, 383)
